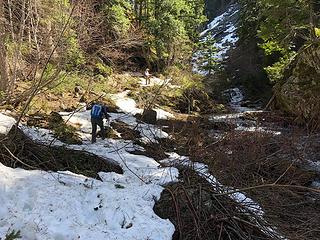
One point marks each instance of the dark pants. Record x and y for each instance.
(147, 80)
(94, 123)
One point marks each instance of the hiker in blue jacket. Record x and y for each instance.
(98, 112)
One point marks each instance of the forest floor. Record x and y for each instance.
(272, 162)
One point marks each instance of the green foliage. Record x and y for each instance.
(104, 70)
(280, 25)
(172, 25)
(276, 71)
(207, 62)
(2, 95)
(184, 78)
(317, 31)
(49, 72)
(74, 56)
(249, 17)
(67, 82)
(122, 22)
(118, 17)
(167, 30)
(280, 19)
(13, 235)
(271, 47)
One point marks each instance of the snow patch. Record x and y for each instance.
(6, 123)
(128, 105)
(62, 205)
(223, 30)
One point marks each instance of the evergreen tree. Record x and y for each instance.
(207, 51)
(283, 26)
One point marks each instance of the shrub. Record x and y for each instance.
(104, 70)
(13, 235)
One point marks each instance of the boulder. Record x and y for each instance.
(299, 92)
(149, 116)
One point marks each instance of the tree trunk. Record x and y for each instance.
(3, 58)
(312, 20)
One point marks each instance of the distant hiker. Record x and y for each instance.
(147, 76)
(98, 112)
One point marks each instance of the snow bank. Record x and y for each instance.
(214, 23)
(63, 205)
(6, 123)
(67, 206)
(223, 29)
(128, 105)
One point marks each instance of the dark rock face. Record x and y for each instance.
(215, 7)
(299, 92)
(245, 67)
(243, 61)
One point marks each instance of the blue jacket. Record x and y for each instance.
(99, 111)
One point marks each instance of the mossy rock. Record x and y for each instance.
(110, 133)
(67, 134)
(62, 131)
(125, 131)
(298, 93)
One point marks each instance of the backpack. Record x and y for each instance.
(96, 111)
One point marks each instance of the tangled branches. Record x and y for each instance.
(17, 150)
(198, 214)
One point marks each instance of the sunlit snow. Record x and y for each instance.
(6, 123)
(63, 205)
(223, 30)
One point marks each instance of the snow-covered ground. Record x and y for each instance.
(128, 105)
(6, 123)
(232, 10)
(63, 205)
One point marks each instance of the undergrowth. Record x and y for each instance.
(31, 155)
